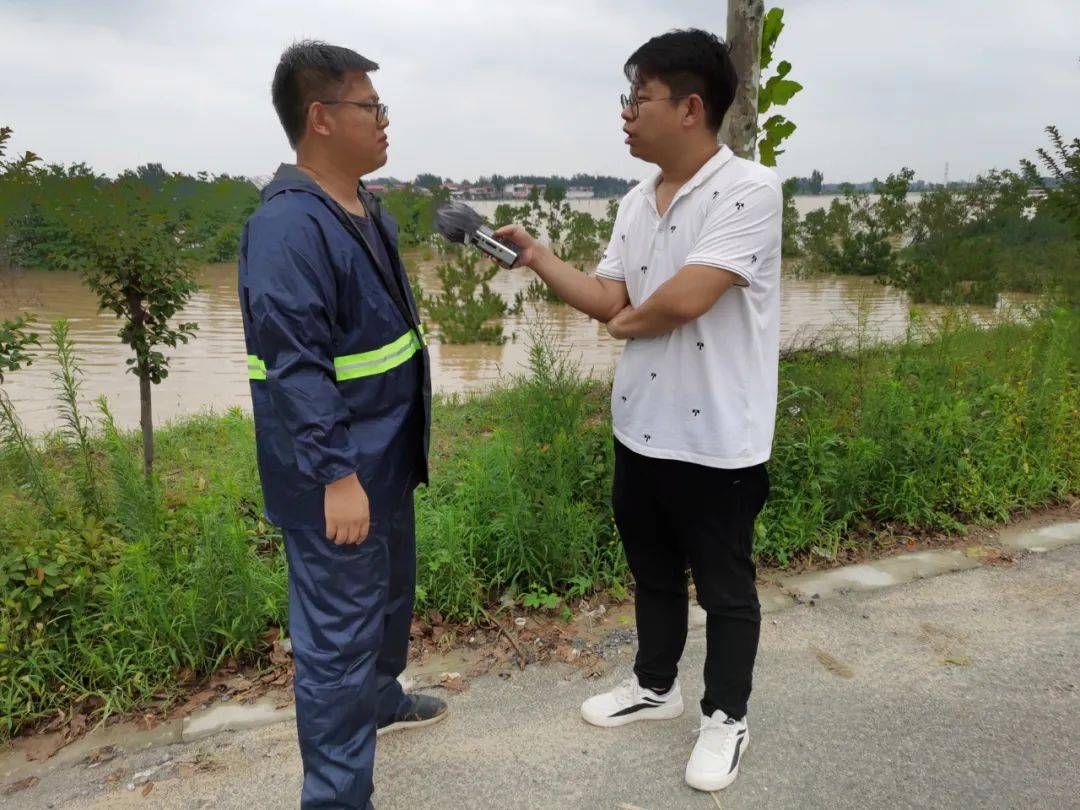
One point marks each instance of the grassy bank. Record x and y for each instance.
(113, 593)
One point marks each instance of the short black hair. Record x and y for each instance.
(689, 61)
(310, 70)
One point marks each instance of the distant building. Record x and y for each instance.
(484, 192)
(580, 193)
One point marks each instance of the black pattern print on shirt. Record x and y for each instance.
(700, 346)
(623, 399)
(715, 194)
(647, 438)
(696, 412)
(753, 259)
(739, 206)
(622, 237)
(652, 375)
(644, 269)
(673, 229)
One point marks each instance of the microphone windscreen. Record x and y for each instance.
(455, 220)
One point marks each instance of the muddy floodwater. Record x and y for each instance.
(211, 371)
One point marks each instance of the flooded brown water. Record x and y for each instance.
(597, 206)
(211, 371)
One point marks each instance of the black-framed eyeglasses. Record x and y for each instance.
(382, 111)
(633, 102)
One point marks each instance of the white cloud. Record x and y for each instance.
(531, 87)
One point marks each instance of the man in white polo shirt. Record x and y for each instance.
(691, 279)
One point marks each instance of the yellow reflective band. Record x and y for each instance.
(377, 361)
(256, 368)
(364, 364)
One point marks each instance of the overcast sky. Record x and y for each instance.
(529, 87)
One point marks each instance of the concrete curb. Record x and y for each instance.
(1047, 538)
(878, 574)
(233, 717)
(792, 591)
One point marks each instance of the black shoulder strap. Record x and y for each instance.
(374, 208)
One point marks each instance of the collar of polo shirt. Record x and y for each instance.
(710, 167)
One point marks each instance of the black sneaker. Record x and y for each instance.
(423, 710)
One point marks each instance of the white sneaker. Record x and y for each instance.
(629, 702)
(714, 763)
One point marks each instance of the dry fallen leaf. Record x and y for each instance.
(271, 635)
(58, 741)
(149, 786)
(238, 683)
(57, 722)
(453, 681)
(958, 661)
(22, 784)
(278, 655)
(76, 728)
(833, 664)
(99, 756)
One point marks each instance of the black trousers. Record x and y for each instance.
(674, 514)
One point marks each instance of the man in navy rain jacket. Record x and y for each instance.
(340, 387)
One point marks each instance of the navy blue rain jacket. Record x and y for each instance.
(340, 376)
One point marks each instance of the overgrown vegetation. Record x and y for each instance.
(957, 244)
(415, 213)
(205, 213)
(467, 310)
(576, 237)
(110, 597)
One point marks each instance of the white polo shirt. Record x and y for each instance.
(706, 392)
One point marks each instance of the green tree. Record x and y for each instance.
(814, 183)
(891, 208)
(467, 310)
(428, 181)
(554, 193)
(127, 242)
(414, 213)
(1062, 161)
(32, 234)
